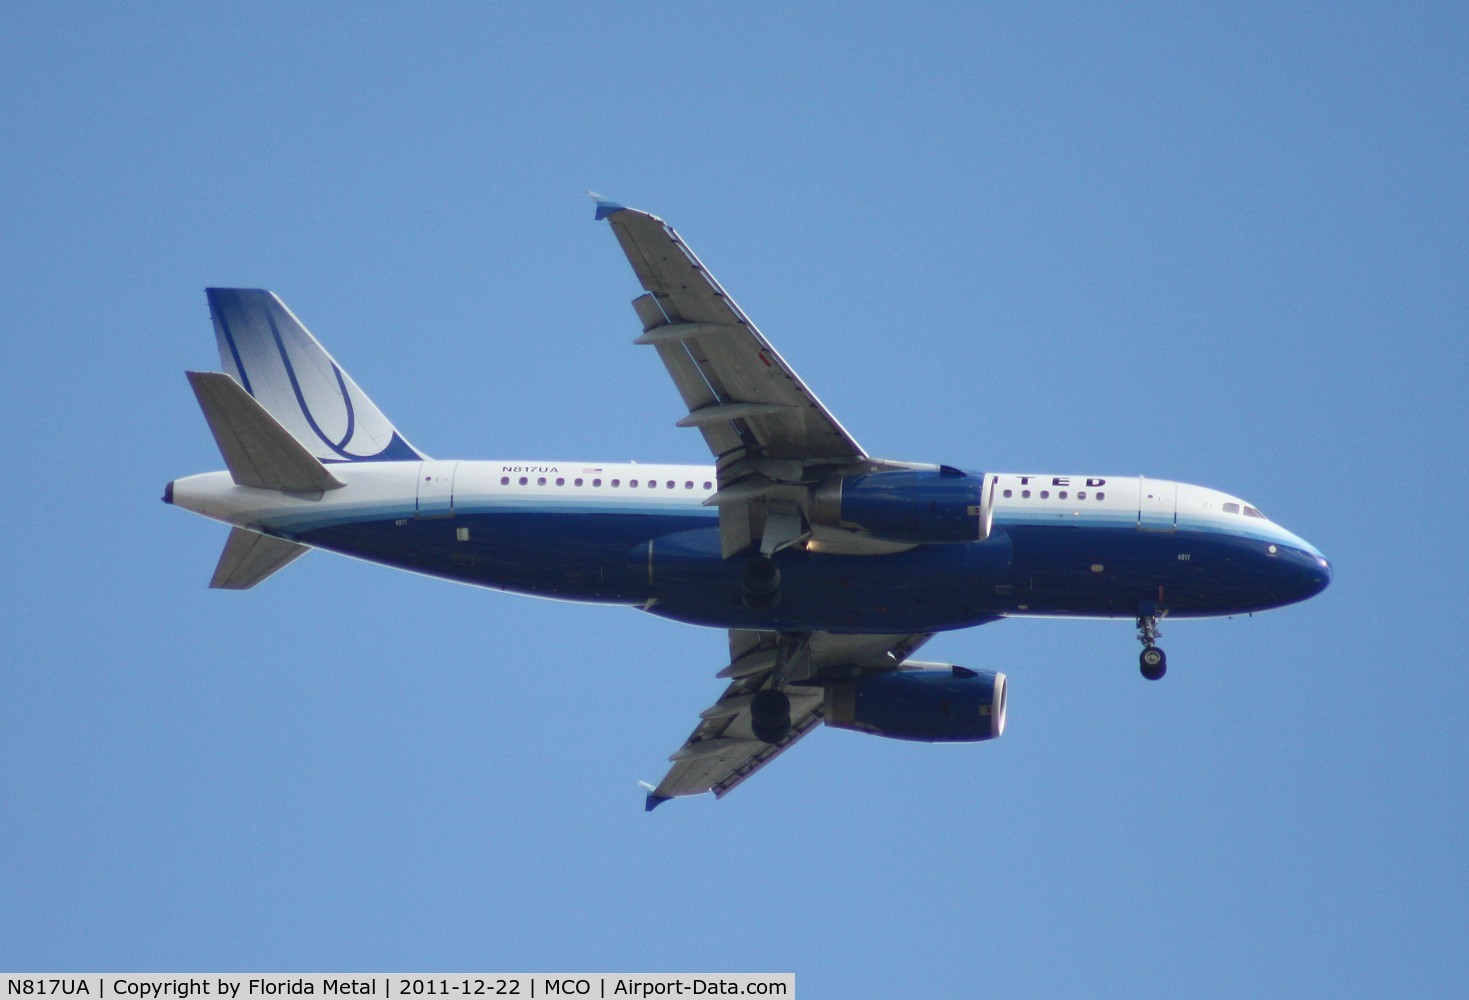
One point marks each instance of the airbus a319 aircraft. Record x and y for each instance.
(828, 567)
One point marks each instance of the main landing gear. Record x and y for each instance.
(770, 715)
(770, 708)
(1153, 662)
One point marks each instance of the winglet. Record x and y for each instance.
(605, 207)
(653, 797)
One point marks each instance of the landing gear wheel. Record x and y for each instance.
(760, 583)
(770, 716)
(1153, 663)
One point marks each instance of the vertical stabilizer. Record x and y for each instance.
(279, 362)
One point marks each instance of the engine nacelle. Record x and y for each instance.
(927, 702)
(918, 506)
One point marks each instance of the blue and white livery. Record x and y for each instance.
(828, 567)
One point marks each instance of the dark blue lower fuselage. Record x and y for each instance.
(670, 564)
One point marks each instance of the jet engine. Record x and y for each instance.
(926, 702)
(920, 506)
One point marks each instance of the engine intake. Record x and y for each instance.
(918, 506)
(926, 702)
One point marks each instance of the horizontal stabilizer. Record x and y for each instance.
(250, 557)
(258, 451)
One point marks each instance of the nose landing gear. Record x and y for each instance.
(1153, 662)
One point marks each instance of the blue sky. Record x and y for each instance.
(1220, 244)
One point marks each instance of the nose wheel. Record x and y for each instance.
(1153, 662)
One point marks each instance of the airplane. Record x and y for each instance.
(828, 567)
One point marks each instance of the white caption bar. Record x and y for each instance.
(386, 986)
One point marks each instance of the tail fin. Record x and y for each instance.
(277, 360)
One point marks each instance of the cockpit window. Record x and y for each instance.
(1252, 512)
(1231, 508)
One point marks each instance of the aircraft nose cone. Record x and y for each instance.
(1295, 572)
(1324, 568)
(1312, 573)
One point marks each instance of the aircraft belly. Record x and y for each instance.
(671, 565)
(576, 557)
(1109, 572)
(928, 588)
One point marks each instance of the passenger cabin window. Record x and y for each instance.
(1062, 495)
(560, 481)
(541, 481)
(1025, 494)
(596, 482)
(1008, 494)
(1045, 494)
(523, 480)
(631, 482)
(1081, 494)
(504, 480)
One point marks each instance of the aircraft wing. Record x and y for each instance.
(722, 751)
(740, 393)
(763, 425)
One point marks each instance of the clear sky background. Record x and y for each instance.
(1224, 244)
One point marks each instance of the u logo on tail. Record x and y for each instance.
(277, 360)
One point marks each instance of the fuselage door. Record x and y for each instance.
(987, 486)
(1157, 505)
(436, 489)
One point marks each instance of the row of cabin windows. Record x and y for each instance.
(1229, 508)
(1248, 511)
(652, 484)
(1061, 495)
